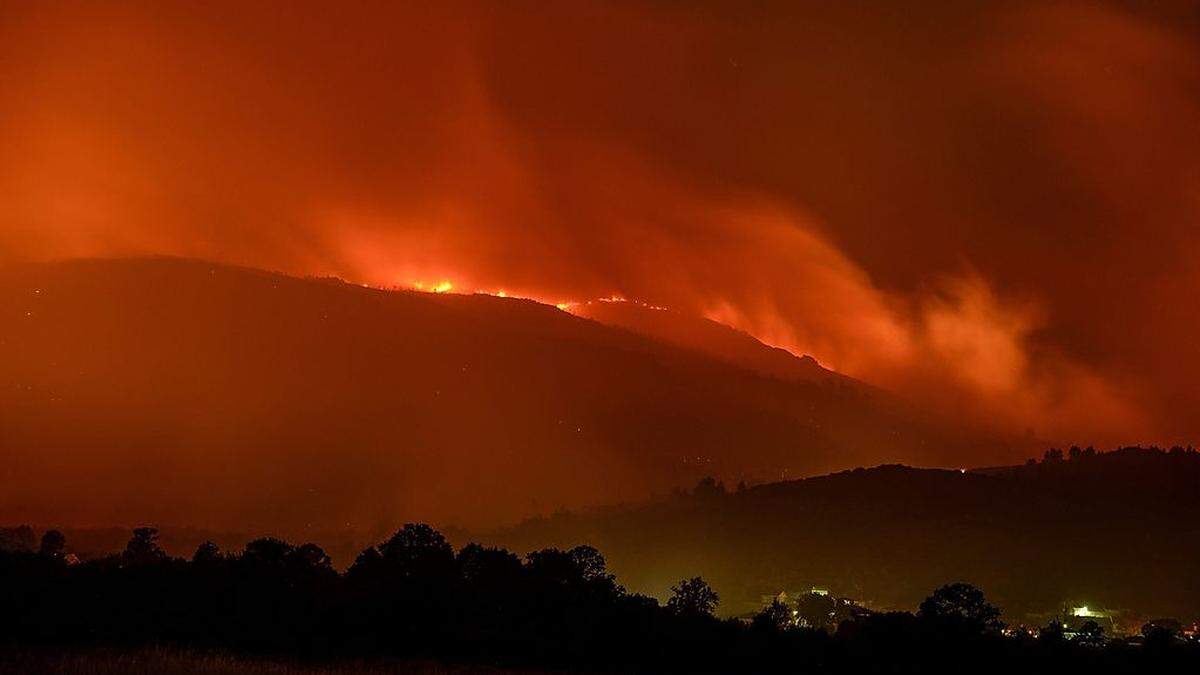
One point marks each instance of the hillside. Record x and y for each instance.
(1115, 530)
(711, 338)
(183, 392)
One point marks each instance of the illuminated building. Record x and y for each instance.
(1075, 617)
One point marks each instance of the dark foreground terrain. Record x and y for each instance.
(167, 661)
(413, 600)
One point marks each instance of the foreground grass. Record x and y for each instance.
(179, 662)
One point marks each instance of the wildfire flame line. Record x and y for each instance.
(446, 286)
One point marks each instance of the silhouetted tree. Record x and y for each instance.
(17, 538)
(775, 616)
(816, 610)
(963, 605)
(267, 551)
(591, 563)
(555, 565)
(53, 543)
(368, 563)
(143, 547)
(487, 566)
(693, 597)
(206, 552)
(310, 556)
(416, 549)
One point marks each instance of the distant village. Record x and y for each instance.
(817, 608)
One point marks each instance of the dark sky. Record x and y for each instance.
(992, 207)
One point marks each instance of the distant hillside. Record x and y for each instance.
(1117, 530)
(710, 337)
(188, 393)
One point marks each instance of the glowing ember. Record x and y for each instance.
(446, 286)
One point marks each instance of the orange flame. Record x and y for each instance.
(439, 287)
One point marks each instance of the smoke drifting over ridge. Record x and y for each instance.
(988, 208)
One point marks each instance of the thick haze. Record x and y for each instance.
(992, 208)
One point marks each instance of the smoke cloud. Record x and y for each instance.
(989, 209)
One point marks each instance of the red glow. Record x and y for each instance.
(976, 257)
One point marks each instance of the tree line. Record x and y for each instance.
(414, 596)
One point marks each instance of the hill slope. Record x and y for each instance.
(1117, 530)
(709, 337)
(191, 393)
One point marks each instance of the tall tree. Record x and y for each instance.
(693, 597)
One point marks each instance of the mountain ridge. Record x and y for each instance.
(364, 406)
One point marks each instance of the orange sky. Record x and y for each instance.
(991, 207)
